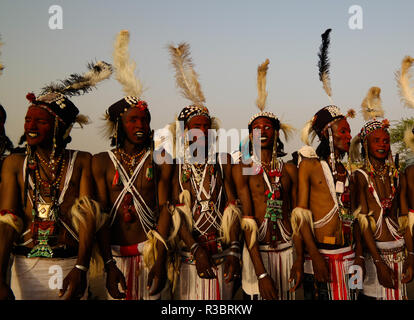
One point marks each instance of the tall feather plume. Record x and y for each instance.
(78, 84)
(261, 85)
(185, 76)
(323, 63)
(403, 78)
(287, 130)
(306, 132)
(125, 67)
(371, 105)
(1, 66)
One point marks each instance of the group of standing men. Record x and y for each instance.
(194, 223)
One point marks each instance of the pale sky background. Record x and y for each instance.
(228, 39)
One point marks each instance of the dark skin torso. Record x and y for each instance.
(316, 191)
(257, 187)
(369, 204)
(15, 166)
(123, 233)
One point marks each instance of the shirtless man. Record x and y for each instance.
(388, 268)
(45, 193)
(207, 191)
(209, 228)
(6, 146)
(322, 216)
(134, 190)
(267, 197)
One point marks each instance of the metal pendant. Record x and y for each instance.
(205, 206)
(43, 210)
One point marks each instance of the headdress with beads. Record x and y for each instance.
(261, 105)
(54, 98)
(124, 72)
(372, 109)
(187, 81)
(325, 117)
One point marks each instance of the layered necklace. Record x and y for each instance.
(382, 172)
(130, 161)
(45, 213)
(272, 173)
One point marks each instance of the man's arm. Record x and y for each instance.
(75, 283)
(266, 285)
(296, 272)
(156, 278)
(320, 267)
(114, 275)
(385, 274)
(9, 191)
(232, 264)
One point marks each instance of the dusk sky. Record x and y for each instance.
(228, 39)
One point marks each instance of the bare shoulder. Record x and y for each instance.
(309, 164)
(359, 177)
(13, 162)
(100, 157)
(291, 169)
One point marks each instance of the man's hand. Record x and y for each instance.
(361, 263)
(113, 278)
(267, 288)
(407, 274)
(296, 274)
(231, 268)
(156, 278)
(76, 282)
(386, 276)
(204, 264)
(320, 268)
(5, 292)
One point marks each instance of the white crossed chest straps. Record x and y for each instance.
(392, 227)
(145, 214)
(213, 220)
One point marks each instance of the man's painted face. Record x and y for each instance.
(341, 135)
(267, 132)
(201, 123)
(136, 125)
(38, 126)
(378, 144)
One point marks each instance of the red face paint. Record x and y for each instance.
(201, 123)
(267, 132)
(378, 144)
(38, 126)
(136, 125)
(341, 135)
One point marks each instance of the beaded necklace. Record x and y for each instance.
(45, 214)
(273, 193)
(130, 160)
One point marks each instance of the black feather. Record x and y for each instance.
(323, 63)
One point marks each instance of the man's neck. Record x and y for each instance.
(131, 148)
(377, 163)
(266, 155)
(46, 152)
